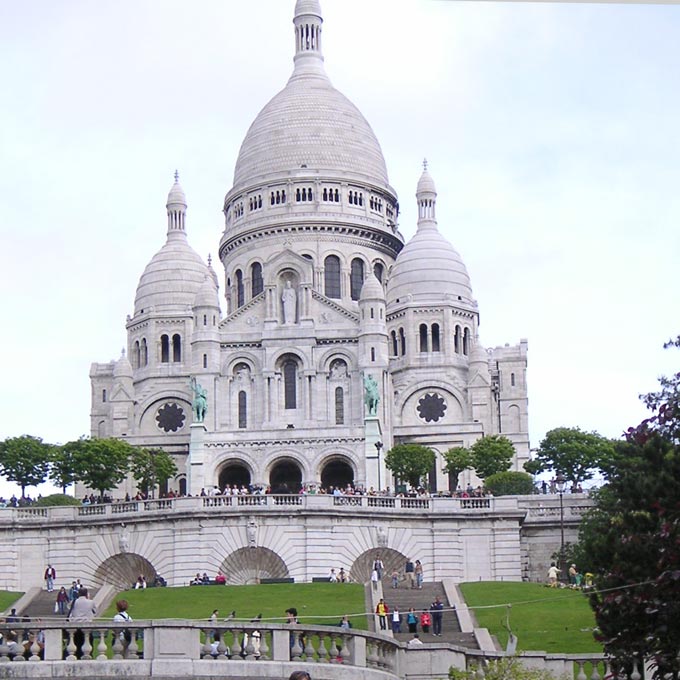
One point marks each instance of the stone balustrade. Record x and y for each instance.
(537, 507)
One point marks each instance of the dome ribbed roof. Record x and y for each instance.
(207, 294)
(172, 278)
(122, 368)
(309, 123)
(372, 288)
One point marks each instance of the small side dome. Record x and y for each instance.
(122, 367)
(479, 355)
(372, 289)
(176, 196)
(207, 294)
(426, 183)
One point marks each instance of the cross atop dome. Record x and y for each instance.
(425, 164)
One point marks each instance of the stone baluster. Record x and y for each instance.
(309, 648)
(206, 647)
(71, 648)
(333, 651)
(264, 647)
(133, 647)
(323, 652)
(296, 649)
(479, 672)
(118, 647)
(87, 647)
(580, 674)
(102, 647)
(344, 649)
(635, 675)
(595, 675)
(222, 649)
(249, 647)
(235, 645)
(4, 647)
(371, 654)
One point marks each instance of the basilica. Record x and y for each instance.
(325, 339)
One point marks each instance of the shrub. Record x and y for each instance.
(510, 484)
(56, 499)
(508, 668)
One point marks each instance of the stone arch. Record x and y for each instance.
(232, 472)
(123, 570)
(146, 421)
(250, 565)
(285, 475)
(337, 471)
(361, 569)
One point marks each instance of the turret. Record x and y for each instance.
(205, 339)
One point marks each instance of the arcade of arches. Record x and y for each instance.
(286, 475)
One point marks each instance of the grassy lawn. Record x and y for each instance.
(545, 619)
(317, 603)
(7, 598)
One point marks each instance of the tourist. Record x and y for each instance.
(379, 567)
(412, 620)
(299, 675)
(342, 575)
(419, 575)
(122, 616)
(333, 577)
(345, 622)
(410, 569)
(553, 573)
(62, 601)
(382, 610)
(84, 610)
(395, 579)
(220, 579)
(426, 621)
(415, 641)
(73, 592)
(141, 583)
(50, 575)
(437, 608)
(572, 575)
(396, 620)
(374, 579)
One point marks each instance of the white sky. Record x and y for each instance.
(551, 131)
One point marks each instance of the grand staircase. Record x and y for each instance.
(405, 598)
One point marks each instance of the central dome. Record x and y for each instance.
(309, 126)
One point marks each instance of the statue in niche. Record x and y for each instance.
(381, 536)
(371, 395)
(251, 532)
(289, 300)
(200, 401)
(243, 373)
(339, 369)
(123, 539)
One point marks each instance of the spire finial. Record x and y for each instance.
(176, 176)
(425, 164)
(209, 260)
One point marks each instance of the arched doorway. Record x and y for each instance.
(392, 560)
(337, 473)
(123, 570)
(285, 477)
(250, 565)
(234, 474)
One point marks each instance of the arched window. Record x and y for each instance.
(356, 277)
(512, 380)
(176, 348)
(240, 292)
(205, 319)
(466, 341)
(402, 341)
(339, 406)
(332, 276)
(435, 338)
(144, 353)
(395, 347)
(165, 349)
(378, 270)
(104, 396)
(136, 355)
(290, 384)
(205, 361)
(182, 486)
(456, 340)
(256, 283)
(372, 353)
(242, 410)
(422, 332)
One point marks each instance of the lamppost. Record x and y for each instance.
(378, 448)
(560, 481)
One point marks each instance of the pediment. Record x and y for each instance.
(288, 259)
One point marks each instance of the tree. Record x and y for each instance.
(410, 462)
(458, 459)
(64, 468)
(102, 463)
(572, 452)
(510, 484)
(25, 460)
(151, 467)
(492, 454)
(630, 541)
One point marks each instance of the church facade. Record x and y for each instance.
(331, 340)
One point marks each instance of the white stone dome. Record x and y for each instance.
(207, 294)
(122, 368)
(308, 7)
(372, 288)
(172, 278)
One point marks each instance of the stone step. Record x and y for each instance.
(42, 605)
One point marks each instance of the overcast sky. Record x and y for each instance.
(551, 131)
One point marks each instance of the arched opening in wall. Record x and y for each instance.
(234, 474)
(248, 566)
(339, 406)
(337, 473)
(456, 340)
(379, 271)
(392, 560)
(466, 341)
(182, 486)
(240, 290)
(123, 570)
(290, 384)
(165, 349)
(402, 341)
(136, 355)
(285, 477)
(242, 410)
(436, 346)
(256, 282)
(395, 347)
(144, 354)
(356, 277)
(176, 348)
(422, 334)
(332, 276)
